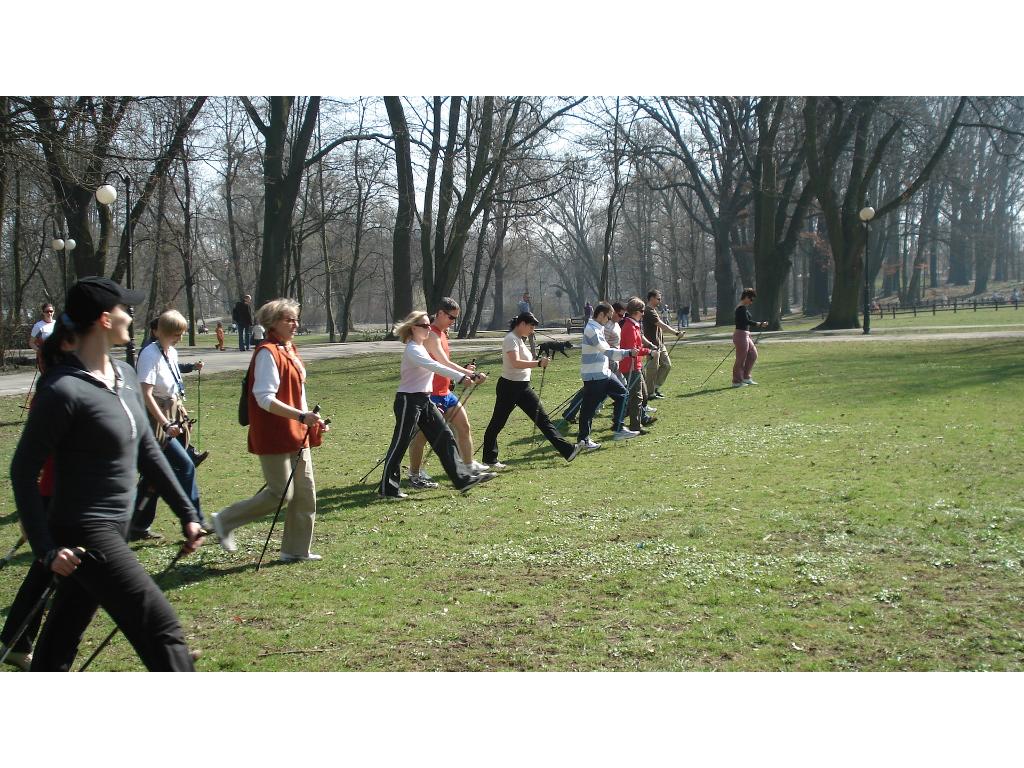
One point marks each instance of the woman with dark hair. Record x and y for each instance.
(91, 417)
(51, 354)
(414, 411)
(514, 391)
(746, 350)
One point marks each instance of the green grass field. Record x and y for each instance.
(863, 509)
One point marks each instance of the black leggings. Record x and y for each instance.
(415, 409)
(112, 578)
(512, 394)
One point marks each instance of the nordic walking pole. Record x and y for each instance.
(295, 465)
(199, 404)
(466, 394)
(17, 545)
(42, 601)
(540, 402)
(716, 367)
(106, 641)
(28, 395)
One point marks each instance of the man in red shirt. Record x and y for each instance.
(443, 397)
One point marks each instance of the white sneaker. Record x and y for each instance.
(224, 536)
(499, 465)
(739, 384)
(476, 467)
(393, 497)
(589, 445)
(748, 382)
(624, 434)
(651, 409)
(286, 558)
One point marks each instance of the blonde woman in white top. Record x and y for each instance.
(414, 411)
(513, 390)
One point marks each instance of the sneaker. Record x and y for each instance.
(422, 480)
(199, 458)
(483, 477)
(657, 396)
(739, 384)
(286, 558)
(651, 409)
(575, 452)
(227, 540)
(748, 382)
(589, 445)
(624, 434)
(476, 467)
(648, 421)
(20, 659)
(393, 497)
(498, 465)
(146, 535)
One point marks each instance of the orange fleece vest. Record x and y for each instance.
(270, 434)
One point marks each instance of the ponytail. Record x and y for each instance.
(52, 353)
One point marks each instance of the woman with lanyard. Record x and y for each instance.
(746, 350)
(281, 430)
(163, 390)
(413, 410)
(91, 417)
(514, 391)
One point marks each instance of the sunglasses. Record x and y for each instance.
(421, 325)
(453, 317)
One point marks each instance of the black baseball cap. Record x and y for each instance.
(90, 297)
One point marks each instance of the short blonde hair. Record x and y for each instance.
(404, 328)
(635, 304)
(171, 322)
(270, 313)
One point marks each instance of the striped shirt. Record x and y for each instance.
(596, 352)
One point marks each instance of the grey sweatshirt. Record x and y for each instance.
(100, 438)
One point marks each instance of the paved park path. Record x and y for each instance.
(233, 360)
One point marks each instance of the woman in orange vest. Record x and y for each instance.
(281, 427)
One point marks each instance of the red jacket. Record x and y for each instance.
(632, 338)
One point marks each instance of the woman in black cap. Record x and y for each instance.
(514, 391)
(90, 416)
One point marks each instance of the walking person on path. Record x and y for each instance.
(91, 418)
(442, 396)
(658, 367)
(281, 428)
(413, 409)
(598, 381)
(746, 350)
(41, 331)
(514, 391)
(242, 314)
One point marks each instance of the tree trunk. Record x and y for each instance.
(402, 242)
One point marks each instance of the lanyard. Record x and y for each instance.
(174, 372)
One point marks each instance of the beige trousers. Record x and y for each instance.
(656, 369)
(300, 501)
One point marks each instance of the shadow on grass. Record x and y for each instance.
(706, 391)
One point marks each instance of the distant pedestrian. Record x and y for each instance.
(41, 330)
(258, 332)
(746, 350)
(220, 337)
(243, 316)
(588, 312)
(684, 316)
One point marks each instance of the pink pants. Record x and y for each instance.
(746, 356)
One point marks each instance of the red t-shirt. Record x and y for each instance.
(442, 384)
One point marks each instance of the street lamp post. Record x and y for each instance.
(67, 246)
(106, 195)
(867, 213)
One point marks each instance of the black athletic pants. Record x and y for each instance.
(594, 391)
(36, 581)
(112, 578)
(412, 409)
(512, 394)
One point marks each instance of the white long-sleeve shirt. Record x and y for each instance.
(418, 369)
(267, 380)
